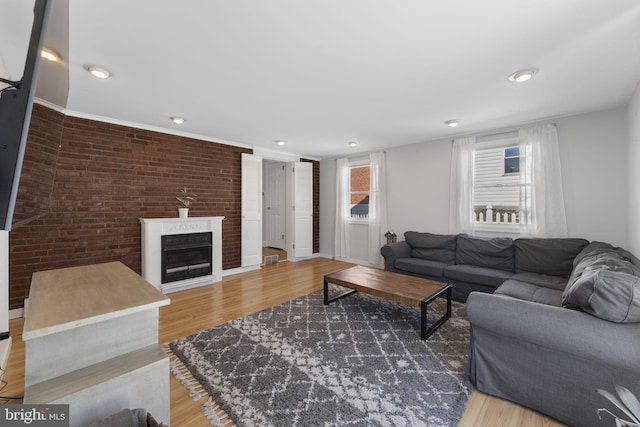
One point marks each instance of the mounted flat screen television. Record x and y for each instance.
(19, 60)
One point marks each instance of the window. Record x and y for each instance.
(359, 177)
(497, 188)
(512, 160)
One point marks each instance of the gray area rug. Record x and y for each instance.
(356, 362)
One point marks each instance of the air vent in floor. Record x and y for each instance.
(270, 259)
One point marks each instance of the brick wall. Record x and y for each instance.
(107, 177)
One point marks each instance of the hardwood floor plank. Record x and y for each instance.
(239, 295)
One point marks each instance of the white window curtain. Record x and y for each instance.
(377, 206)
(541, 179)
(461, 218)
(342, 245)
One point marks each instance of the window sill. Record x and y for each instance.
(498, 228)
(360, 222)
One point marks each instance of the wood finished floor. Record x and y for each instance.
(242, 294)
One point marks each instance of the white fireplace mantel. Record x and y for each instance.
(152, 231)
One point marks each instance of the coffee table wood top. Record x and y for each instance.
(396, 287)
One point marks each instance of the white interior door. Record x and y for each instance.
(274, 202)
(303, 209)
(251, 222)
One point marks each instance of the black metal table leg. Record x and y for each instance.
(425, 330)
(326, 293)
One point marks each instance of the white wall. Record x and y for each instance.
(327, 207)
(358, 233)
(634, 173)
(593, 151)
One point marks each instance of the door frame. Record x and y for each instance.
(289, 236)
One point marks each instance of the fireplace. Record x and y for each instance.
(185, 256)
(181, 253)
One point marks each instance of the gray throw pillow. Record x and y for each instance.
(598, 255)
(610, 292)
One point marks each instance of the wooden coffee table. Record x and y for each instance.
(408, 290)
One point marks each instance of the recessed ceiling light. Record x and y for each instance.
(177, 120)
(98, 72)
(50, 55)
(522, 75)
(452, 123)
(280, 142)
(352, 143)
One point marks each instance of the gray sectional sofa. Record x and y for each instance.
(563, 321)
(482, 264)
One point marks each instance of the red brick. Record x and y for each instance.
(101, 178)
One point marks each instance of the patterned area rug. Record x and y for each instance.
(356, 362)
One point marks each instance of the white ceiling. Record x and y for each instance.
(318, 74)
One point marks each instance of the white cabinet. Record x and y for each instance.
(91, 341)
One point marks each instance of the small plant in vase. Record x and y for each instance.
(185, 198)
(391, 237)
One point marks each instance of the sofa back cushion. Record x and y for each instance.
(490, 252)
(552, 256)
(435, 247)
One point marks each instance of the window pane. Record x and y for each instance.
(512, 152)
(360, 179)
(359, 182)
(512, 165)
(512, 160)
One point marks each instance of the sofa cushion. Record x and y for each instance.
(434, 247)
(553, 257)
(475, 274)
(491, 252)
(421, 266)
(606, 293)
(530, 292)
(596, 255)
(543, 280)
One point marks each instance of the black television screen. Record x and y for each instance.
(16, 101)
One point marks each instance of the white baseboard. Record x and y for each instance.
(304, 258)
(328, 256)
(359, 262)
(239, 270)
(16, 313)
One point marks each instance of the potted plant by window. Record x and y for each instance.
(185, 198)
(391, 237)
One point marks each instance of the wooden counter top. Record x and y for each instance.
(68, 298)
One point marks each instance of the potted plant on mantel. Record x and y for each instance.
(185, 198)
